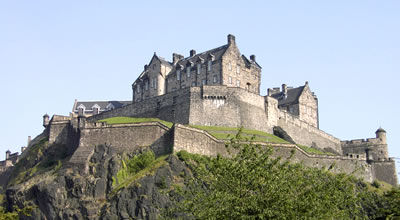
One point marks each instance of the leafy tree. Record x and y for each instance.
(250, 184)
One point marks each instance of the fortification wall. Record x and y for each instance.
(121, 138)
(198, 141)
(229, 107)
(59, 129)
(173, 106)
(373, 148)
(305, 134)
(385, 170)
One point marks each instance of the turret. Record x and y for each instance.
(8, 152)
(45, 120)
(381, 134)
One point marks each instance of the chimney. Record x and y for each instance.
(29, 140)
(145, 67)
(192, 53)
(231, 39)
(8, 154)
(284, 89)
(176, 57)
(269, 92)
(253, 58)
(23, 149)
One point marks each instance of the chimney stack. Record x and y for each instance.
(231, 39)
(192, 53)
(176, 57)
(29, 140)
(8, 154)
(269, 92)
(145, 67)
(253, 58)
(284, 89)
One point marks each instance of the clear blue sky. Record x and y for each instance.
(52, 52)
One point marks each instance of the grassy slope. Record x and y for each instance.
(222, 133)
(128, 120)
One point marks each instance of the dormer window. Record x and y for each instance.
(209, 65)
(81, 109)
(178, 74)
(198, 68)
(188, 71)
(96, 109)
(110, 107)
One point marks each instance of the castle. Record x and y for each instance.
(218, 87)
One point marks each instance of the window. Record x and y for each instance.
(154, 66)
(155, 82)
(183, 86)
(146, 85)
(229, 66)
(198, 68)
(188, 71)
(230, 80)
(138, 88)
(178, 75)
(238, 83)
(151, 83)
(193, 83)
(215, 79)
(204, 82)
(238, 69)
(209, 65)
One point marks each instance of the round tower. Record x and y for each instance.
(381, 134)
(45, 120)
(8, 152)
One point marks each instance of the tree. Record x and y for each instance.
(251, 184)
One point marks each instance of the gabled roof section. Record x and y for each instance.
(250, 62)
(292, 96)
(216, 53)
(101, 104)
(162, 60)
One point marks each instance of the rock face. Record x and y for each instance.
(67, 195)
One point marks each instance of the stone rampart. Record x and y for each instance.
(305, 134)
(59, 129)
(173, 106)
(201, 142)
(121, 138)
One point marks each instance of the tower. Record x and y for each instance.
(8, 154)
(381, 134)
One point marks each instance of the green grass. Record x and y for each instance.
(226, 133)
(128, 179)
(311, 150)
(129, 120)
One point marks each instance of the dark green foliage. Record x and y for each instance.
(139, 162)
(253, 185)
(4, 215)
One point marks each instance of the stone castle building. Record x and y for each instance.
(218, 87)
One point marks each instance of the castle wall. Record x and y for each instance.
(373, 148)
(385, 171)
(121, 138)
(59, 129)
(305, 134)
(198, 141)
(172, 106)
(229, 107)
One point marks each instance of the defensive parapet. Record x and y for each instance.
(376, 152)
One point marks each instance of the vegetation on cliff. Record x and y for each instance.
(129, 120)
(252, 185)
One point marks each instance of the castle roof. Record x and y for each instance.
(103, 105)
(292, 96)
(216, 53)
(380, 130)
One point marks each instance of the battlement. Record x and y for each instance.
(361, 141)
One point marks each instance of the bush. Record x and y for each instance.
(139, 162)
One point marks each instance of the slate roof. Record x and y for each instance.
(216, 52)
(103, 104)
(292, 97)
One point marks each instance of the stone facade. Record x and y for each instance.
(161, 139)
(220, 66)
